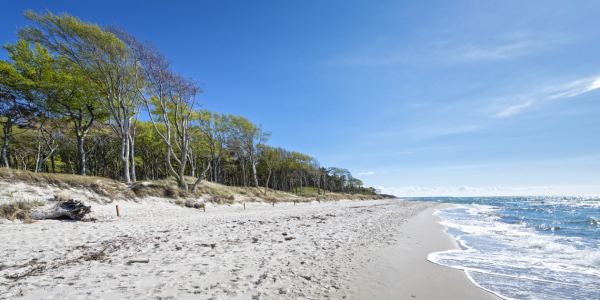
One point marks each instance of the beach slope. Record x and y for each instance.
(401, 271)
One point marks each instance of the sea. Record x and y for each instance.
(525, 247)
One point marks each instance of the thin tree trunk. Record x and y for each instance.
(125, 156)
(254, 173)
(38, 156)
(132, 157)
(39, 160)
(267, 184)
(300, 184)
(7, 130)
(200, 178)
(81, 154)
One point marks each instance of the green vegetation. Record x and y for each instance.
(73, 97)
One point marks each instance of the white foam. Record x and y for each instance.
(518, 252)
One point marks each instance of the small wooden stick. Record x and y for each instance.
(118, 211)
(204, 207)
(142, 261)
(273, 203)
(244, 205)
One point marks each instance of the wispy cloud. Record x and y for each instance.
(366, 173)
(473, 52)
(511, 47)
(441, 131)
(387, 52)
(570, 90)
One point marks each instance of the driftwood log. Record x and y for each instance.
(71, 209)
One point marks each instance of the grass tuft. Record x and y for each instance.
(19, 209)
(62, 196)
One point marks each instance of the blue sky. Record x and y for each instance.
(418, 98)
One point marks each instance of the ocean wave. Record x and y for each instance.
(522, 250)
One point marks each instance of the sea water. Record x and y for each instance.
(526, 247)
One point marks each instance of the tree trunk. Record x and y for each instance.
(38, 157)
(267, 184)
(43, 160)
(300, 184)
(132, 157)
(125, 157)
(254, 173)
(243, 162)
(53, 165)
(200, 178)
(7, 130)
(81, 154)
(319, 186)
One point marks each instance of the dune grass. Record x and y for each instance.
(223, 194)
(102, 186)
(219, 193)
(19, 209)
(309, 192)
(212, 192)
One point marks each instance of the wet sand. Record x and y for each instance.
(401, 271)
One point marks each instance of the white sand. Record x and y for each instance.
(251, 258)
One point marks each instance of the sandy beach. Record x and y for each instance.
(156, 250)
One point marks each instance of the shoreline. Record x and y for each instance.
(402, 271)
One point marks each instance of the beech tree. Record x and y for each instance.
(14, 109)
(215, 129)
(249, 138)
(314, 171)
(102, 58)
(271, 157)
(58, 91)
(169, 98)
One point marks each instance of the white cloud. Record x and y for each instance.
(572, 89)
(367, 173)
(415, 191)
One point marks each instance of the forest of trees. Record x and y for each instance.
(83, 99)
